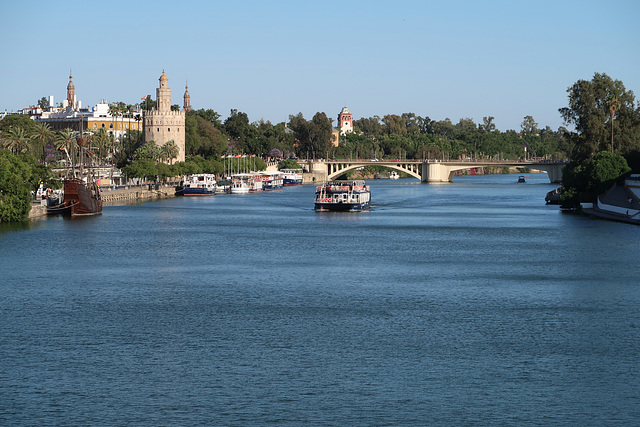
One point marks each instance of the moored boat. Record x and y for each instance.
(344, 196)
(620, 203)
(291, 177)
(81, 194)
(272, 180)
(80, 198)
(240, 183)
(203, 184)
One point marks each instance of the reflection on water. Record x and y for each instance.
(470, 302)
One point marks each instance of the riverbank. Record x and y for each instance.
(118, 196)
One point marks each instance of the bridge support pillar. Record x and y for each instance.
(435, 172)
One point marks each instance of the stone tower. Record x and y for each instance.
(162, 124)
(345, 121)
(187, 99)
(71, 93)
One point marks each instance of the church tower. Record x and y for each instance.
(345, 121)
(187, 99)
(71, 93)
(162, 124)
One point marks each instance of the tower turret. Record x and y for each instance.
(71, 92)
(187, 99)
(345, 121)
(163, 94)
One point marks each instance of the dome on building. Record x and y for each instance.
(163, 77)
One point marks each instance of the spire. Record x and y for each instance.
(71, 91)
(187, 98)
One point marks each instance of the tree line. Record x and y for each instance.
(603, 117)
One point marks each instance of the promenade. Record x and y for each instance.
(113, 196)
(129, 194)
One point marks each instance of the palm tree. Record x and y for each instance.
(16, 140)
(102, 140)
(169, 151)
(43, 134)
(65, 140)
(614, 104)
(114, 110)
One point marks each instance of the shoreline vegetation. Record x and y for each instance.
(602, 148)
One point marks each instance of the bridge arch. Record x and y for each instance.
(335, 169)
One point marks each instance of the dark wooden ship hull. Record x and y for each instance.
(80, 198)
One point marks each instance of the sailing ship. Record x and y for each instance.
(81, 194)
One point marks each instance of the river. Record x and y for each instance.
(464, 303)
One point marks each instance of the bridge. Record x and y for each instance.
(430, 171)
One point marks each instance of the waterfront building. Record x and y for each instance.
(71, 115)
(162, 124)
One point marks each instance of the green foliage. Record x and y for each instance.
(17, 180)
(604, 170)
(599, 109)
(288, 164)
(583, 181)
(148, 151)
(17, 121)
(202, 138)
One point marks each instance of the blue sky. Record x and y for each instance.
(270, 59)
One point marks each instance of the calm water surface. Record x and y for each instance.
(463, 303)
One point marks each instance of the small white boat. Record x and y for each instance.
(240, 183)
(394, 175)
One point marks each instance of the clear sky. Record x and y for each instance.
(443, 59)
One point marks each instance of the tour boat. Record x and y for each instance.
(271, 180)
(291, 177)
(203, 184)
(344, 196)
(240, 183)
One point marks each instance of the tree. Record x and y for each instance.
(590, 109)
(148, 151)
(17, 121)
(394, 124)
(16, 140)
(169, 151)
(65, 140)
(487, 124)
(210, 116)
(236, 126)
(613, 105)
(604, 170)
(320, 134)
(43, 103)
(529, 126)
(114, 111)
(43, 135)
(16, 182)
(288, 164)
